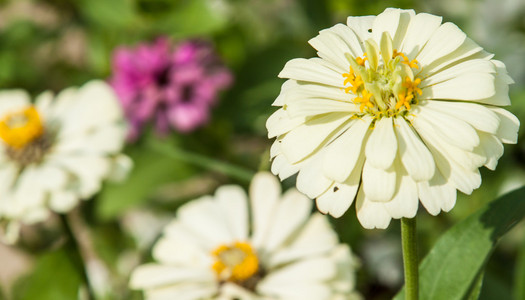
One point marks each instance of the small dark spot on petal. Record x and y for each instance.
(336, 189)
(370, 30)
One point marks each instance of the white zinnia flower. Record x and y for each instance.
(215, 250)
(57, 151)
(397, 108)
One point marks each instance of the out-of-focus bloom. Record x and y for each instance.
(215, 250)
(397, 108)
(172, 88)
(57, 151)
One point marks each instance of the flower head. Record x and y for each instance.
(398, 108)
(172, 88)
(56, 151)
(215, 250)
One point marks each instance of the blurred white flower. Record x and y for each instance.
(397, 108)
(57, 151)
(215, 250)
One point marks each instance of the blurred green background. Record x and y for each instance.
(53, 44)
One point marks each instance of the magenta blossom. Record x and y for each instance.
(172, 88)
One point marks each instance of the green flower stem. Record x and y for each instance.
(205, 162)
(410, 260)
(75, 254)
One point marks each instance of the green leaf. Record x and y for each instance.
(151, 169)
(453, 265)
(473, 294)
(195, 17)
(114, 14)
(519, 284)
(54, 278)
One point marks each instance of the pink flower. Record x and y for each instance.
(171, 88)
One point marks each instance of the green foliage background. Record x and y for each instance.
(53, 44)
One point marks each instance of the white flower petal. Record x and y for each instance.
(85, 113)
(450, 129)
(44, 104)
(281, 167)
(415, 156)
(311, 70)
(467, 49)
(405, 202)
(456, 166)
(371, 214)
(430, 132)
(177, 250)
(90, 170)
(381, 147)
(291, 213)
(62, 201)
(299, 291)
(310, 179)
(405, 18)
(341, 155)
(447, 38)
(509, 126)
(332, 48)
(315, 238)
(338, 198)
(467, 86)
(182, 291)
(233, 203)
(436, 194)
(311, 107)
(350, 38)
(466, 67)
(386, 21)
(155, 275)
(8, 175)
(421, 27)
(13, 101)
(478, 116)
(205, 219)
(312, 270)
(491, 148)
(311, 135)
(298, 91)
(265, 192)
(362, 26)
(280, 123)
(378, 185)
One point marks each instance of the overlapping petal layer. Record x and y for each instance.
(420, 137)
(299, 254)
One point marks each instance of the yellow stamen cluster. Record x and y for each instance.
(361, 61)
(237, 262)
(406, 61)
(357, 86)
(355, 82)
(411, 88)
(387, 85)
(20, 128)
(364, 100)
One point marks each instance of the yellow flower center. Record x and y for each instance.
(237, 262)
(20, 128)
(383, 80)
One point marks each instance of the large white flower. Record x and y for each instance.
(215, 250)
(396, 108)
(57, 150)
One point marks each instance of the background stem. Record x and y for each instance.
(75, 254)
(410, 260)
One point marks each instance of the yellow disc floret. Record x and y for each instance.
(387, 84)
(236, 262)
(19, 128)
